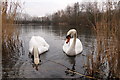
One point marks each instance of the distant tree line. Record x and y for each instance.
(77, 14)
(27, 19)
(82, 14)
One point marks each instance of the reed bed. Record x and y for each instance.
(104, 62)
(10, 36)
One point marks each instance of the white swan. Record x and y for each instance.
(72, 46)
(37, 45)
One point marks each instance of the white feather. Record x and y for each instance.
(78, 46)
(39, 43)
(74, 46)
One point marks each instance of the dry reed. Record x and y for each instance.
(10, 36)
(105, 62)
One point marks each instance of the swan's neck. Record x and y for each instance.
(71, 50)
(36, 55)
(74, 41)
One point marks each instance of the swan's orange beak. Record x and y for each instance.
(68, 39)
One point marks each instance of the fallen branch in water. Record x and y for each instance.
(80, 74)
(72, 71)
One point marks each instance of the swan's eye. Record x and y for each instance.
(68, 36)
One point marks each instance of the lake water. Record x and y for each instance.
(54, 61)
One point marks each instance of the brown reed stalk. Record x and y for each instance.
(107, 30)
(10, 36)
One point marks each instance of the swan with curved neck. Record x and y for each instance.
(72, 46)
(37, 46)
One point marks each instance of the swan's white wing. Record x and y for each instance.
(42, 49)
(40, 43)
(78, 47)
(32, 43)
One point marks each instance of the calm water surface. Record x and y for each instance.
(52, 61)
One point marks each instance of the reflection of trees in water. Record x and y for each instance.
(62, 30)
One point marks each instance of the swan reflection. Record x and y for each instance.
(72, 61)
